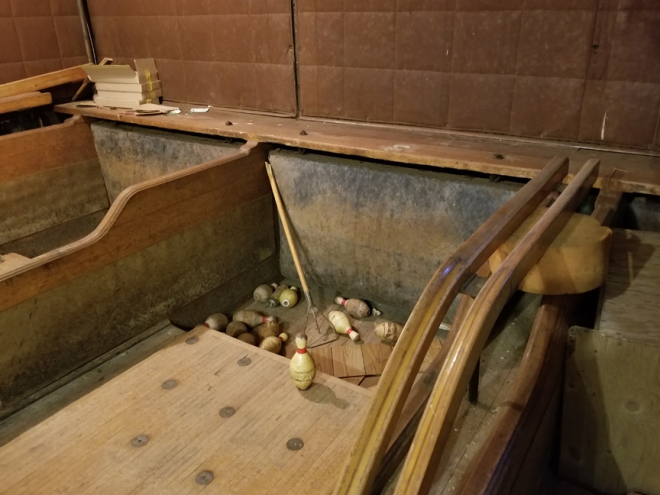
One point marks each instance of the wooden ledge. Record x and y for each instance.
(411, 145)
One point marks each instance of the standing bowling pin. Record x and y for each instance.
(357, 308)
(263, 292)
(302, 367)
(343, 325)
(217, 321)
(251, 318)
(289, 297)
(274, 344)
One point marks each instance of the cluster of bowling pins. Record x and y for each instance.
(252, 328)
(273, 295)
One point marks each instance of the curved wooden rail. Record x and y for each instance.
(125, 230)
(404, 363)
(433, 431)
(494, 469)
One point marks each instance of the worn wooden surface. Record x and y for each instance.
(436, 423)
(42, 81)
(398, 377)
(436, 148)
(88, 445)
(632, 290)
(611, 421)
(12, 260)
(86, 379)
(36, 202)
(24, 102)
(40, 150)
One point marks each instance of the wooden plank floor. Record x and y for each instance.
(91, 447)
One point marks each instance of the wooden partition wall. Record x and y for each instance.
(162, 244)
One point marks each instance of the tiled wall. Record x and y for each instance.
(38, 36)
(230, 53)
(585, 70)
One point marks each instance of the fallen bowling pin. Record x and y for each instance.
(268, 329)
(388, 331)
(274, 344)
(252, 318)
(263, 292)
(343, 325)
(289, 297)
(217, 321)
(274, 300)
(302, 367)
(236, 328)
(248, 338)
(357, 308)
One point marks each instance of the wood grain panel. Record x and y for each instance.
(35, 151)
(24, 102)
(36, 202)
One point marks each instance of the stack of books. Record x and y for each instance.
(119, 86)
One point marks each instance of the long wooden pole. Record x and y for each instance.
(287, 230)
(433, 431)
(384, 409)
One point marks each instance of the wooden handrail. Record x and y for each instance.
(432, 434)
(496, 464)
(384, 409)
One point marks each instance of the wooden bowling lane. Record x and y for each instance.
(208, 412)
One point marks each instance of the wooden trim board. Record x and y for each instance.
(42, 81)
(409, 145)
(24, 101)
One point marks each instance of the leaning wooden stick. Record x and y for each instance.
(329, 334)
(404, 363)
(433, 431)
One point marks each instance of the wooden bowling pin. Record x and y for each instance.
(268, 329)
(302, 367)
(274, 300)
(251, 318)
(248, 338)
(357, 308)
(388, 331)
(217, 321)
(263, 292)
(274, 344)
(343, 325)
(236, 328)
(289, 297)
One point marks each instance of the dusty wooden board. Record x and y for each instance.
(630, 307)
(437, 148)
(24, 102)
(40, 201)
(39, 150)
(42, 81)
(88, 445)
(611, 417)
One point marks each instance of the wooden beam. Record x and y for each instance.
(24, 102)
(404, 363)
(433, 431)
(43, 81)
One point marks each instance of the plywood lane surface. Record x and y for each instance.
(140, 434)
(632, 290)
